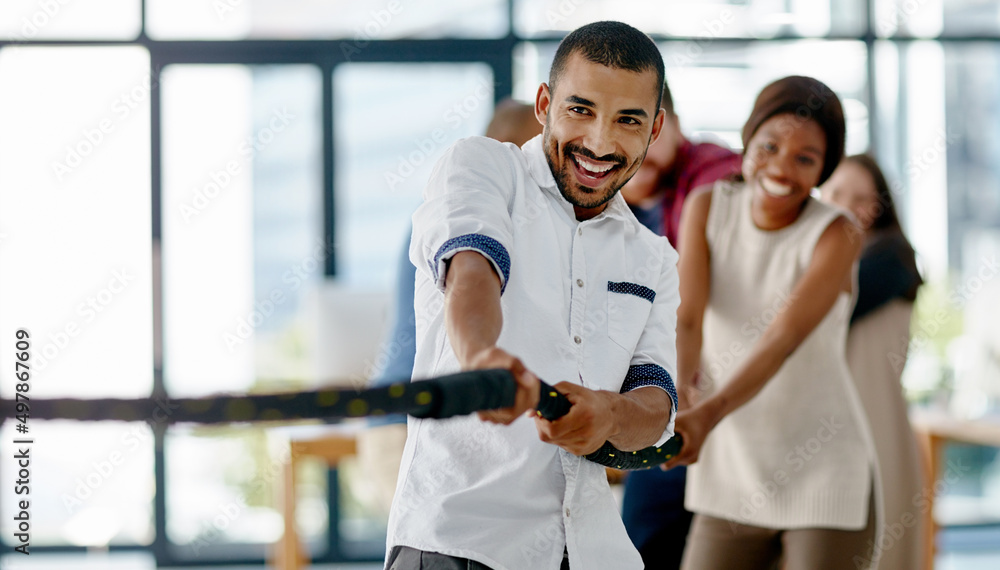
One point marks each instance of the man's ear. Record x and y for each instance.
(542, 101)
(661, 116)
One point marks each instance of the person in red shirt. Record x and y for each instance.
(674, 166)
(653, 508)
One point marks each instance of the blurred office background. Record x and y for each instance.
(201, 196)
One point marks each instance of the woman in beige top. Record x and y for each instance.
(780, 451)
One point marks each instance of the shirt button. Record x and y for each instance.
(577, 339)
(579, 282)
(567, 512)
(579, 231)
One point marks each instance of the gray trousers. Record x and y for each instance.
(406, 558)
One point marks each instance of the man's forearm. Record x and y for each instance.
(473, 317)
(473, 320)
(641, 416)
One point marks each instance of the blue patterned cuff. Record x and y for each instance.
(632, 289)
(485, 245)
(649, 375)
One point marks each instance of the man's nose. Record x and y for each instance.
(599, 139)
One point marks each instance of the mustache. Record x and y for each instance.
(577, 149)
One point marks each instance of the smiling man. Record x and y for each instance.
(529, 259)
(594, 145)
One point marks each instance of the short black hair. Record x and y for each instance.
(612, 44)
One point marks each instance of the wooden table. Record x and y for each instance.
(934, 429)
(331, 447)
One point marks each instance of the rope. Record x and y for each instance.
(437, 398)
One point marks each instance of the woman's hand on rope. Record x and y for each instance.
(693, 425)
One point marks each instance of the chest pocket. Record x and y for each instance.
(628, 310)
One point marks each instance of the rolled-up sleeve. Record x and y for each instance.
(467, 204)
(654, 361)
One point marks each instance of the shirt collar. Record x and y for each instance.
(540, 172)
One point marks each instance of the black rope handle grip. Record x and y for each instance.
(441, 397)
(438, 398)
(553, 405)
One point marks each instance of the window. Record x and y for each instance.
(201, 197)
(76, 250)
(243, 243)
(341, 19)
(426, 107)
(695, 18)
(31, 20)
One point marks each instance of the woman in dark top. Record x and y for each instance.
(888, 268)
(877, 345)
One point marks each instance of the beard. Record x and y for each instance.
(575, 193)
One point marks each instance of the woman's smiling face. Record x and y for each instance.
(782, 164)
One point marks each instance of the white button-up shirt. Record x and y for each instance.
(592, 302)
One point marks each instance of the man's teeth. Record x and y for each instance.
(591, 167)
(772, 187)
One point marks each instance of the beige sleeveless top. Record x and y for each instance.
(798, 454)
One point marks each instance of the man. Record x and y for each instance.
(653, 504)
(529, 260)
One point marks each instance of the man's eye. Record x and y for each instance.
(579, 110)
(807, 160)
(770, 147)
(629, 121)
